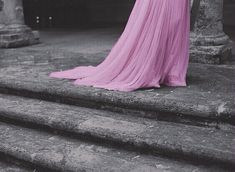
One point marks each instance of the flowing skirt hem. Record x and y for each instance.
(124, 89)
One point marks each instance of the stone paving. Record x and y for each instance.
(209, 91)
(7, 167)
(24, 72)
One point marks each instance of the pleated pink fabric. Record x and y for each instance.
(152, 50)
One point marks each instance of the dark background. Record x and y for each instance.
(41, 14)
(44, 14)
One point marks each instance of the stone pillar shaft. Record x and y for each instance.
(1, 5)
(209, 43)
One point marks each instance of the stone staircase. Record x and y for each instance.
(48, 124)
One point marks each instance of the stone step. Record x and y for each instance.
(141, 134)
(198, 104)
(60, 153)
(9, 167)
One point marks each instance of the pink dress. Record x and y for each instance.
(152, 50)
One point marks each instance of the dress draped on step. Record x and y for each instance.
(152, 50)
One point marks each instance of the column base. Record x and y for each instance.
(13, 36)
(216, 49)
(211, 54)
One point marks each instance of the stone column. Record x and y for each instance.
(1, 8)
(1, 5)
(13, 31)
(209, 43)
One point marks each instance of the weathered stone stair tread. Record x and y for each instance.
(208, 102)
(161, 137)
(9, 167)
(60, 153)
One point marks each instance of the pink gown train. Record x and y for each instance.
(152, 50)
